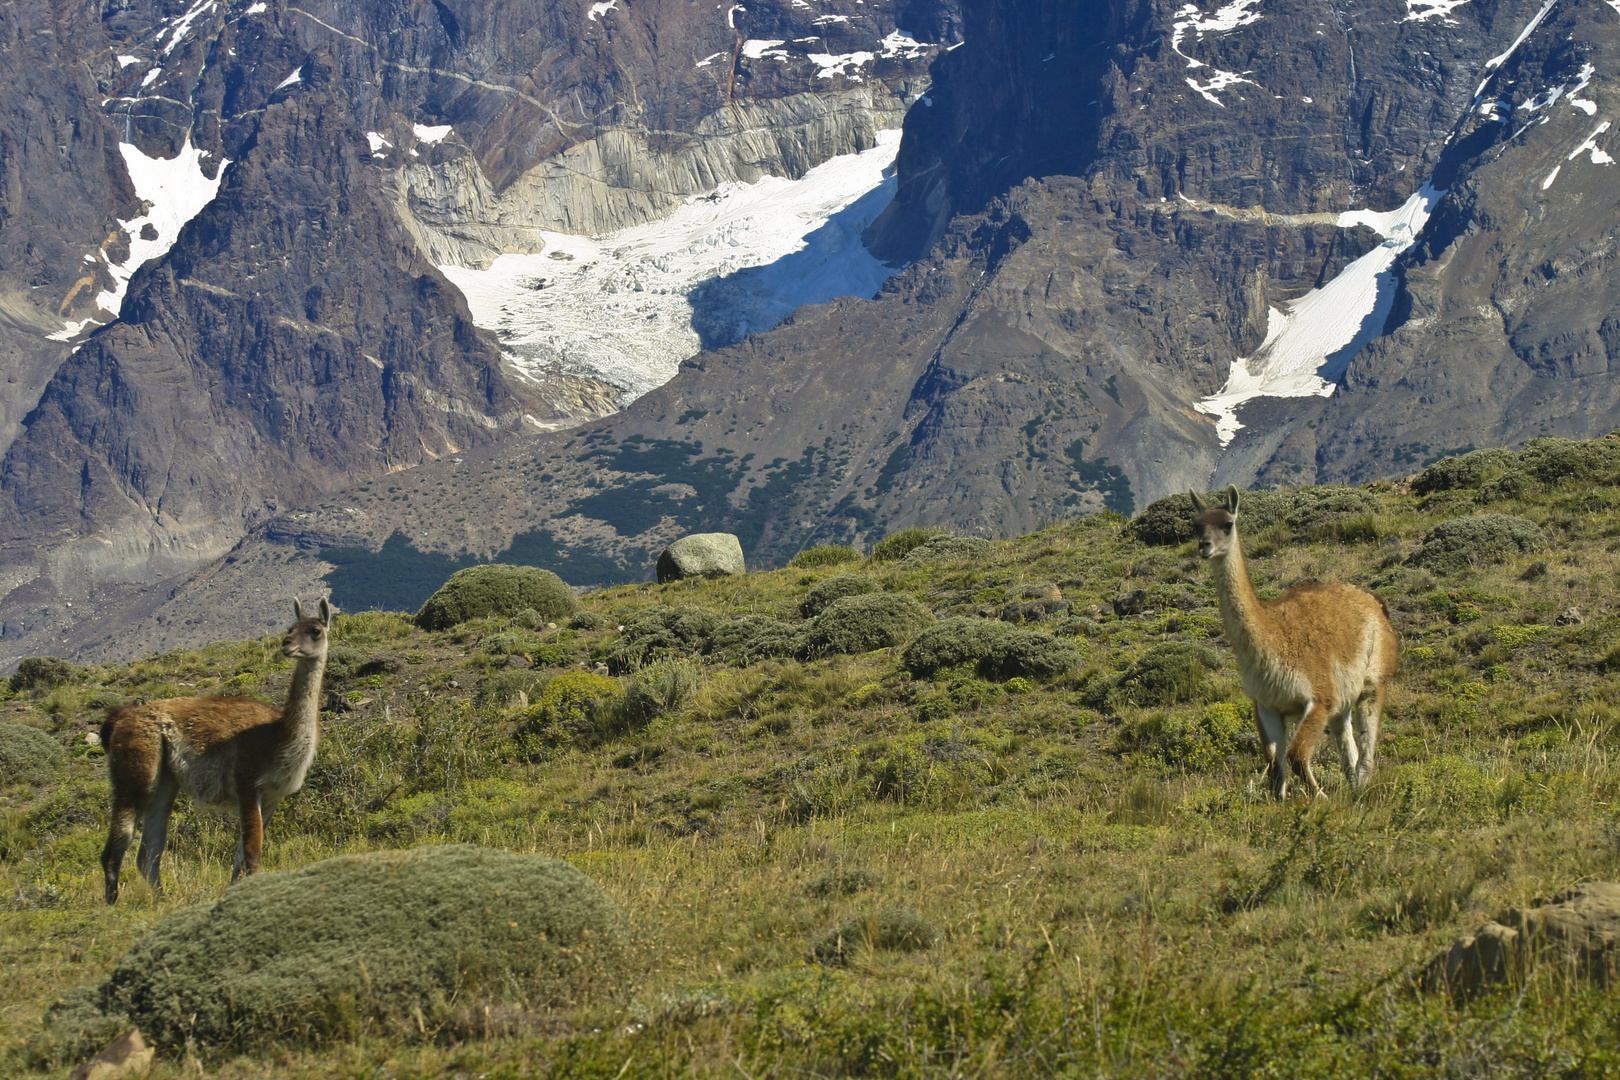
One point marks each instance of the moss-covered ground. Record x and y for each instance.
(1047, 888)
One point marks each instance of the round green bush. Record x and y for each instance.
(899, 545)
(952, 642)
(858, 624)
(890, 928)
(1456, 544)
(496, 690)
(752, 638)
(496, 589)
(1166, 673)
(1168, 521)
(1031, 654)
(657, 690)
(44, 673)
(405, 944)
(659, 633)
(834, 588)
(947, 549)
(28, 755)
(1462, 471)
(824, 555)
(585, 620)
(578, 708)
(1564, 461)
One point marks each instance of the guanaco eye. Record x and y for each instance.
(1227, 526)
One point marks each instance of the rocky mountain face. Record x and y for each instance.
(262, 194)
(1147, 246)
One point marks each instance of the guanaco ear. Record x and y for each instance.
(1232, 499)
(1198, 504)
(298, 611)
(326, 612)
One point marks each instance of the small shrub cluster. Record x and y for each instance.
(1169, 672)
(660, 633)
(899, 545)
(1463, 471)
(1460, 542)
(824, 555)
(998, 651)
(579, 708)
(858, 624)
(400, 943)
(28, 755)
(834, 588)
(947, 549)
(496, 690)
(845, 881)
(496, 589)
(44, 673)
(891, 928)
(752, 638)
(1196, 743)
(657, 690)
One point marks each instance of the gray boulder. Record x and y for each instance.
(701, 555)
(1575, 936)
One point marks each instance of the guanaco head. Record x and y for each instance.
(1215, 526)
(306, 638)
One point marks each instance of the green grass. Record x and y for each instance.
(1096, 891)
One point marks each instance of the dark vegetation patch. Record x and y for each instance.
(1166, 673)
(894, 929)
(496, 589)
(28, 755)
(858, 624)
(834, 588)
(1488, 538)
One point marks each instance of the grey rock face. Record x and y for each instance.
(701, 555)
(1574, 936)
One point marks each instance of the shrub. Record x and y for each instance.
(858, 624)
(824, 555)
(834, 588)
(1077, 626)
(843, 882)
(28, 755)
(1194, 743)
(899, 545)
(752, 638)
(371, 627)
(402, 943)
(494, 691)
(1562, 461)
(660, 633)
(44, 673)
(1513, 484)
(1463, 471)
(1453, 545)
(1032, 654)
(890, 928)
(579, 708)
(947, 549)
(1167, 673)
(585, 620)
(657, 690)
(1168, 521)
(496, 589)
(952, 642)
(1331, 513)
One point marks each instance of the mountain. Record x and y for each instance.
(1144, 247)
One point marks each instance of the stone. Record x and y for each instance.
(701, 555)
(1574, 935)
(125, 1058)
(1571, 616)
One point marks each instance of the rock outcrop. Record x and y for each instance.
(1573, 937)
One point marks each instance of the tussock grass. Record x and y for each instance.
(1109, 889)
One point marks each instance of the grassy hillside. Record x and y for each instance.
(836, 867)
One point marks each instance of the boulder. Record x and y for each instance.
(701, 555)
(1575, 936)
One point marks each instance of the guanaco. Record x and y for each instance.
(222, 751)
(1319, 657)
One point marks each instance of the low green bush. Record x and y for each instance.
(1554, 462)
(1463, 471)
(891, 928)
(824, 555)
(586, 620)
(494, 691)
(1486, 538)
(952, 642)
(858, 624)
(408, 945)
(947, 549)
(1169, 672)
(834, 588)
(44, 673)
(899, 545)
(1030, 654)
(660, 633)
(28, 755)
(496, 589)
(843, 882)
(1196, 743)
(658, 690)
(579, 708)
(752, 638)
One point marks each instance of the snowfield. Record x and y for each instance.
(627, 307)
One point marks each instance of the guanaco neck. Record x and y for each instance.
(303, 707)
(1247, 628)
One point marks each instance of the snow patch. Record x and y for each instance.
(731, 15)
(125, 61)
(824, 20)
(759, 48)
(377, 141)
(1219, 81)
(1421, 10)
(176, 190)
(829, 65)
(430, 135)
(297, 76)
(1598, 156)
(905, 45)
(182, 25)
(1225, 19)
(257, 9)
(598, 10)
(1311, 341)
(1547, 183)
(621, 307)
(1497, 61)
(151, 77)
(711, 58)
